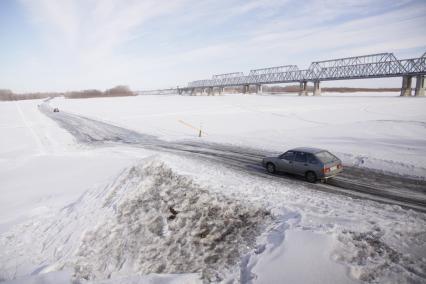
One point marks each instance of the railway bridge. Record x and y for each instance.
(381, 65)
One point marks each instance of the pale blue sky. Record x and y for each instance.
(49, 45)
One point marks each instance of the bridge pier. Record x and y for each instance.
(406, 86)
(246, 89)
(303, 88)
(317, 88)
(259, 89)
(420, 86)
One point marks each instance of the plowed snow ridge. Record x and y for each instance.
(149, 220)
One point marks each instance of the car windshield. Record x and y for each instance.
(289, 155)
(326, 157)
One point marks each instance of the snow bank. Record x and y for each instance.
(148, 220)
(302, 257)
(371, 258)
(65, 277)
(168, 224)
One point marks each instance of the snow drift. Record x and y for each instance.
(148, 220)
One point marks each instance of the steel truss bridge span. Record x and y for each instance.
(380, 65)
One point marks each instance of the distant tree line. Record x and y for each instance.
(118, 91)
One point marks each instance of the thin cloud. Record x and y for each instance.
(154, 44)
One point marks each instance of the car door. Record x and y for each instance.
(314, 164)
(300, 164)
(285, 162)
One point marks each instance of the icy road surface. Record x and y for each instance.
(386, 133)
(361, 183)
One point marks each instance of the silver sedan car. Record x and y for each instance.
(312, 163)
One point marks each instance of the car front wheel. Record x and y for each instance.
(311, 177)
(270, 168)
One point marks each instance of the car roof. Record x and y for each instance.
(308, 150)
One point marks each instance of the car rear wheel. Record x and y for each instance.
(311, 177)
(270, 168)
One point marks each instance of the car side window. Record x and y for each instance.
(301, 157)
(311, 159)
(289, 156)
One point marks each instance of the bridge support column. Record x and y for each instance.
(246, 89)
(258, 89)
(420, 86)
(221, 89)
(317, 88)
(303, 88)
(406, 86)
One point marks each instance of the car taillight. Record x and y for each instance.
(326, 170)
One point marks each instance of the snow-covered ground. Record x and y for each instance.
(384, 132)
(120, 214)
(40, 165)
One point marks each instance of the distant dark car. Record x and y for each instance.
(312, 163)
(56, 109)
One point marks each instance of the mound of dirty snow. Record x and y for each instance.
(371, 259)
(148, 220)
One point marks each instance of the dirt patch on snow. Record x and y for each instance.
(371, 260)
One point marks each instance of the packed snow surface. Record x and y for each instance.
(385, 132)
(119, 214)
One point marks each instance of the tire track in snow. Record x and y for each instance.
(37, 139)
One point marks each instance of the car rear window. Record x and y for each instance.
(326, 157)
